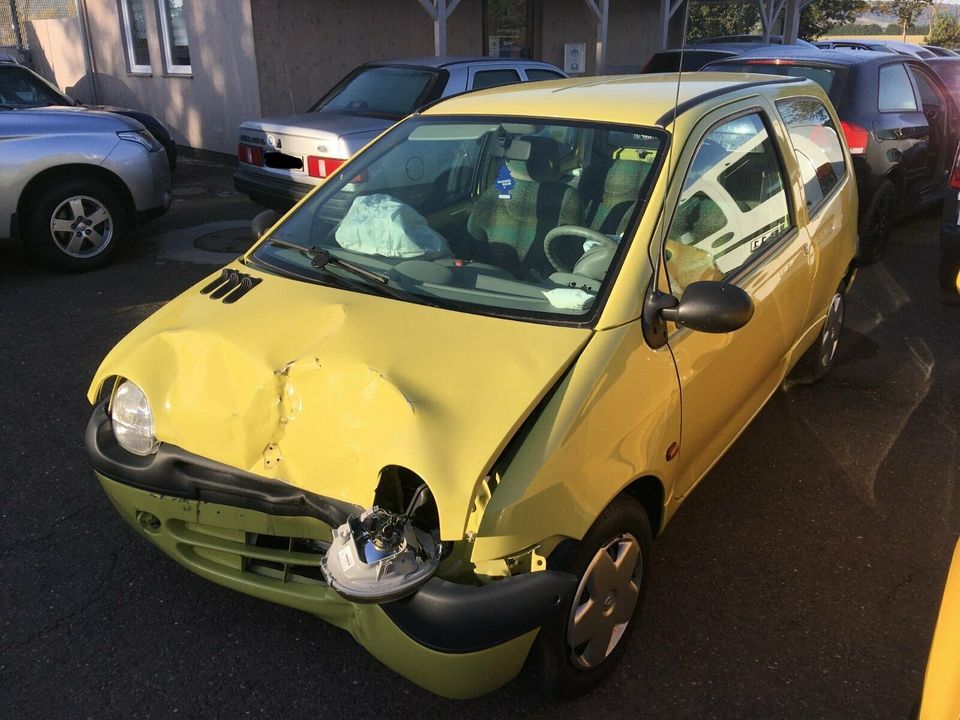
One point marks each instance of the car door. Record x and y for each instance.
(901, 127)
(938, 110)
(726, 378)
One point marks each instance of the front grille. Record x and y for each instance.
(289, 560)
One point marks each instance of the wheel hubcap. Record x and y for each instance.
(831, 331)
(605, 601)
(81, 226)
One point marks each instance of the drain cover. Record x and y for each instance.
(231, 240)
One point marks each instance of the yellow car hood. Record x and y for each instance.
(322, 388)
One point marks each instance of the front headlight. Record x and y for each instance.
(132, 420)
(142, 137)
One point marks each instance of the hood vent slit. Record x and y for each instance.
(230, 286)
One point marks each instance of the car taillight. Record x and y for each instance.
(857, 137)
(321, 167)
(955, 173)
(250, 154)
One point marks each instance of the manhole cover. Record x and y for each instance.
(186, 190)
(231, 240)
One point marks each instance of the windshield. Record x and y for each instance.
(21, 88)
(520, 218)
(381, 91)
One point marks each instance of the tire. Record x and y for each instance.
(620, 538)
(75, 224)
(818, 360)
(876, 222)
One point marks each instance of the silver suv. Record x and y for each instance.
(283, 158)
(74, 182)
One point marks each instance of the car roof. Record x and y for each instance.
(829, 57)
(448, 60)
(625, 99)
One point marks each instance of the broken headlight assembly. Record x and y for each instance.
(381, 556)
(132, 420)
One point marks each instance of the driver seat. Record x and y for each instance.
(509, 224)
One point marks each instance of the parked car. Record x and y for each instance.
(942, 51)
(439, 403)
(948, 269)
(941, 682)
(752, 40)
(74, 182)
(283, 158)
(854, 45)
(899, 120)
(20, 87)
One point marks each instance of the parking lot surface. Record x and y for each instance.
(801, 580)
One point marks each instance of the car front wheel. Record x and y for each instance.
(583, 644)
(75, 224)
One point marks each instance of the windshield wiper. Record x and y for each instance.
(320, 258)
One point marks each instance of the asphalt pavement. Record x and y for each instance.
(801, 579)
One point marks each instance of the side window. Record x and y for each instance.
(534, 74)
(817, 146)
(896, 91)
(929, 94)
(492, 78)
(732, 203)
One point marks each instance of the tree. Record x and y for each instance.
(821, 17)
(944, 31)
(743, 19)
(907, 12)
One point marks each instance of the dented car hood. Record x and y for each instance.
(322, 388)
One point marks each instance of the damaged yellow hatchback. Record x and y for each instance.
(446, 402)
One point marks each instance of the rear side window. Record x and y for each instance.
(534, 74)
(492, 78)
(896, 91)
(817, 146)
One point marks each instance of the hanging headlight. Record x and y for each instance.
(132, 420)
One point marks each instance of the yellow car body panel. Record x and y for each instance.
(322, 388)
(941, 683)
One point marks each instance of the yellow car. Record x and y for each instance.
(941, 683)
(448, 400)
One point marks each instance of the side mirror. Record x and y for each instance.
(263, 222)
(711, 306)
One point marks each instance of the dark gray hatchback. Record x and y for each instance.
(899, 120)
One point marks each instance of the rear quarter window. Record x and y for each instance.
(534, 74)
(816, 143)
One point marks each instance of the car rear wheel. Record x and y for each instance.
(818, 360)
(582, 645)
(75, 224)
(876, 223)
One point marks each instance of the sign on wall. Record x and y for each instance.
(574, 58)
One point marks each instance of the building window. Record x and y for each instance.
(509, 28)
(135, 36)
(173, 28)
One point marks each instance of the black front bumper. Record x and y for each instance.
(441, 615)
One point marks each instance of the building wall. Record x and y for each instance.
(56, 54)
(203, 110)
(633, 31)
(304, 47)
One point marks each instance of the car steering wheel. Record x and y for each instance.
(573, 231)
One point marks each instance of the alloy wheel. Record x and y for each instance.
(81, 226)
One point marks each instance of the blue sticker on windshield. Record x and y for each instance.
(504, 182)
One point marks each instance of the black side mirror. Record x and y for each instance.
(711, 306)
(263, 222)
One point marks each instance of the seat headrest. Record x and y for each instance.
(533, 158)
